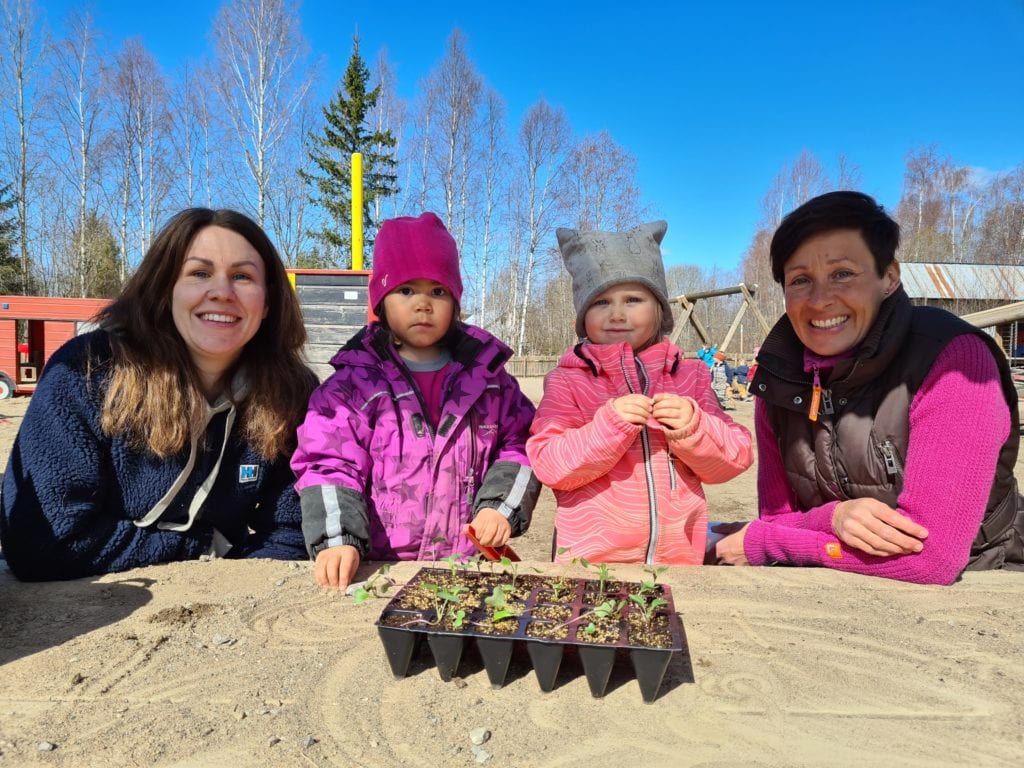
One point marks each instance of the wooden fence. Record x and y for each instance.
(526, 366)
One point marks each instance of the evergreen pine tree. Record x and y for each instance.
(346, 131)
(102, 255)
(11, 279)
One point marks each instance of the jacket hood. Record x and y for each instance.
(468, 344)
(601, 358)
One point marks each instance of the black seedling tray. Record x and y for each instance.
(402, 629)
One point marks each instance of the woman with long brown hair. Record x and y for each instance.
(166, 434)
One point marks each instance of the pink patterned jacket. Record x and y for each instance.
(628, 493)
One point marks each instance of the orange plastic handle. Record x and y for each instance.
(490, 553)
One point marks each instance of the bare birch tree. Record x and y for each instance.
(78, 113)
(544, 143)
(1002, 226)
(138, 102)
(261, 82)
(187, 102)
(495, 156)
(939, 209)
(602, 187)
(423, 120)
(287, 209)
(388, 116)
(21, 66)
(458, 87)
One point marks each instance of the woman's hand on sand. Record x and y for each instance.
(876, 528)
(636, 409)
(335, 567)
(729, 550)
(491, 528)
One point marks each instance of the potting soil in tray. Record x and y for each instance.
(556, 612)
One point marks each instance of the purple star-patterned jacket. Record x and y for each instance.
(374, 474)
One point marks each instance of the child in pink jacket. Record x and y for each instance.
(627, 430)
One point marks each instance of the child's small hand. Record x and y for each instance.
(491, 527)
(672, 411)
(636, 409)
(336, 566)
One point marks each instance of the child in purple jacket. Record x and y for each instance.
(420, 430)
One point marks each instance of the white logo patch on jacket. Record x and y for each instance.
(248, 473)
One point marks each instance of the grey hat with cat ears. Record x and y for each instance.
(598, 260)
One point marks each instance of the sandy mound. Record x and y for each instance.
(234, 664)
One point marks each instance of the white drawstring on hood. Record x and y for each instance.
(220, 545)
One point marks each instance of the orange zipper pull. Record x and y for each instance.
(812, 414)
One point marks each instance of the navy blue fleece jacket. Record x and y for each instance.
(72, 496)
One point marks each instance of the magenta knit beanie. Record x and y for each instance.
(414, 248)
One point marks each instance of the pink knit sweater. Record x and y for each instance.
(958, 423)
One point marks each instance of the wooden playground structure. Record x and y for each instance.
(688, 303)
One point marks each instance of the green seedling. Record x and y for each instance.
(376, 586)
(652, 584)
(433, 548)
(647, 606)
(603, 576)
(454, 565)
(558, 588)
(445, 601)
(644, 597)
(580, 561)
(498, 600)
(506, 563)
(609, 609)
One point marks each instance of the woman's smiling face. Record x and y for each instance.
(833, 290)
(219, 299)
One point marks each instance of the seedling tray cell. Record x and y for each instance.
(555, 613)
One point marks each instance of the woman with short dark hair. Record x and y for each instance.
(887, 433)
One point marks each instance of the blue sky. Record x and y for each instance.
(712, 101)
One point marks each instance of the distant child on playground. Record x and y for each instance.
(420, 430)
(627, 430)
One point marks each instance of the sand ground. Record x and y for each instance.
(229, 663)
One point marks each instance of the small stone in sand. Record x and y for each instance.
(479, 735)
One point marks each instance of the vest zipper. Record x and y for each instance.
(826, 402)
(893, 465)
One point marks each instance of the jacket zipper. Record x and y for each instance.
(421, 427)
(645, 444)
(471, 478)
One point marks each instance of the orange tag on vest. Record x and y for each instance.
(833, 550)
(812, 414)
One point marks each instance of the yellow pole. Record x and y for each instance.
(357, 211)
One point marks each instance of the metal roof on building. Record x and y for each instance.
(988, 282)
